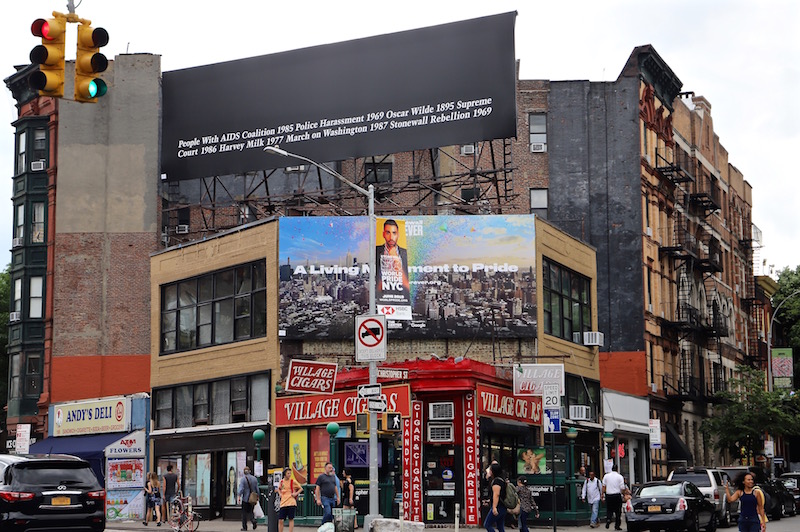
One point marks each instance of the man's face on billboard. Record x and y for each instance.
(390, 235)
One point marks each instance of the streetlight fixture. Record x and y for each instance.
(258, 437)
(769, 360)
(369, 192)
(571, 434)
(333, 430)
(769, 338)
(608, 438)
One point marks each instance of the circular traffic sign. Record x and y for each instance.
(370, 332)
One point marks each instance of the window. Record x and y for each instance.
(583, 392)
(217, 308)
(21, 151)
(37, 223)
(19, 223)
(566, 302)
(230, 400)
(17, 295)
(375, 173)
(35, 298)
(33, 374)
(15, 376)
(539, 202)
(163, 409)
(537, 129)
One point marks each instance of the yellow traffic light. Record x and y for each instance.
(49, 55)
(88, 62)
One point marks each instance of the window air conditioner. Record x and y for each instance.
(593, 338)
(468, 149)
(17, 241)
(440, 411)
(576, 338)
(649, 231)
(647, 158)
(14, 316)
(538, 147)
(650, 308)
(37, 166)
(440, 432)
(182, 229)
(300, 168)
(653, 387)
(580, 412)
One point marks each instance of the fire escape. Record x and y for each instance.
(756, 348)
(696, 322)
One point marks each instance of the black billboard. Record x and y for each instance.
(437, 86)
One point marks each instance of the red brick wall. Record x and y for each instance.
(87, 377)
(624, 371)
(101, 309)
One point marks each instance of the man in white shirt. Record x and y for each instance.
(591, 493)
(613, 483)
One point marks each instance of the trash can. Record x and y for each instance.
(344, 519)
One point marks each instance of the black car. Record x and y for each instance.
(670, 505)
(792, 483)
(785, 498)
(50, 492)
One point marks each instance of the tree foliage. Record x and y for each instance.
(748, 411)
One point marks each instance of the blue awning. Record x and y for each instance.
(91, 448)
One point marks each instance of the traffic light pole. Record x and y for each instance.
(373, 368)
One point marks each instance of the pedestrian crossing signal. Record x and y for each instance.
(362, 422)
(394, 422)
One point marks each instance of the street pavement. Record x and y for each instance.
(787, 524)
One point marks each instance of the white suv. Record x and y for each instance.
(711, 482)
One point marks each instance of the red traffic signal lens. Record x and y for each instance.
(38, 28)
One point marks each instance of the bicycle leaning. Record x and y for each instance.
(182, 517)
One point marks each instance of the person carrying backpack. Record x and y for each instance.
(592, 488)
(497, 510)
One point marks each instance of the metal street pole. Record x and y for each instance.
(373, 368)
(769, 363)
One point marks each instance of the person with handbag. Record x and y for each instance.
(288, 491)
(153, 499)
(248, 495)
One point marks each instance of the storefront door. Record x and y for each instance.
(443, 482)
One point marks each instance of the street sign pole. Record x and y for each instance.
(373, 369)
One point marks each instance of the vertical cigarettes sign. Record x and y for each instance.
(471, 463)
(412, 464)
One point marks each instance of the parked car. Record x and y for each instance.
(792, 483)
(670, 504)
(772, 504)
(711, 483)
(785, 498)
(50, 492)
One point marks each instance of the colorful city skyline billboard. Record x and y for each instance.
(437, 86)
(467, 276)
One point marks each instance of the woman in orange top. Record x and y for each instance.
(288, 491)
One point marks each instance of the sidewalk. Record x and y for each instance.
(218, 525)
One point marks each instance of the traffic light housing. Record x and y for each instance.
(362, 422)
(88, 62)
(49, 55)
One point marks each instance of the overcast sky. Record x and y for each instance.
(743, 56)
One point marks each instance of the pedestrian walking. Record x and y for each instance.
(497, 487)
(327, 492)
(248, 485)
(591, 493)
(752, 517)
(527, 504)
(153, 499)
(172, 484)
(613, 484)
(288, 491)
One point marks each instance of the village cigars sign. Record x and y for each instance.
(306, 376)
(437, 276)
(529, 379)
(412, 464)
(499, 403)
(341, 407)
